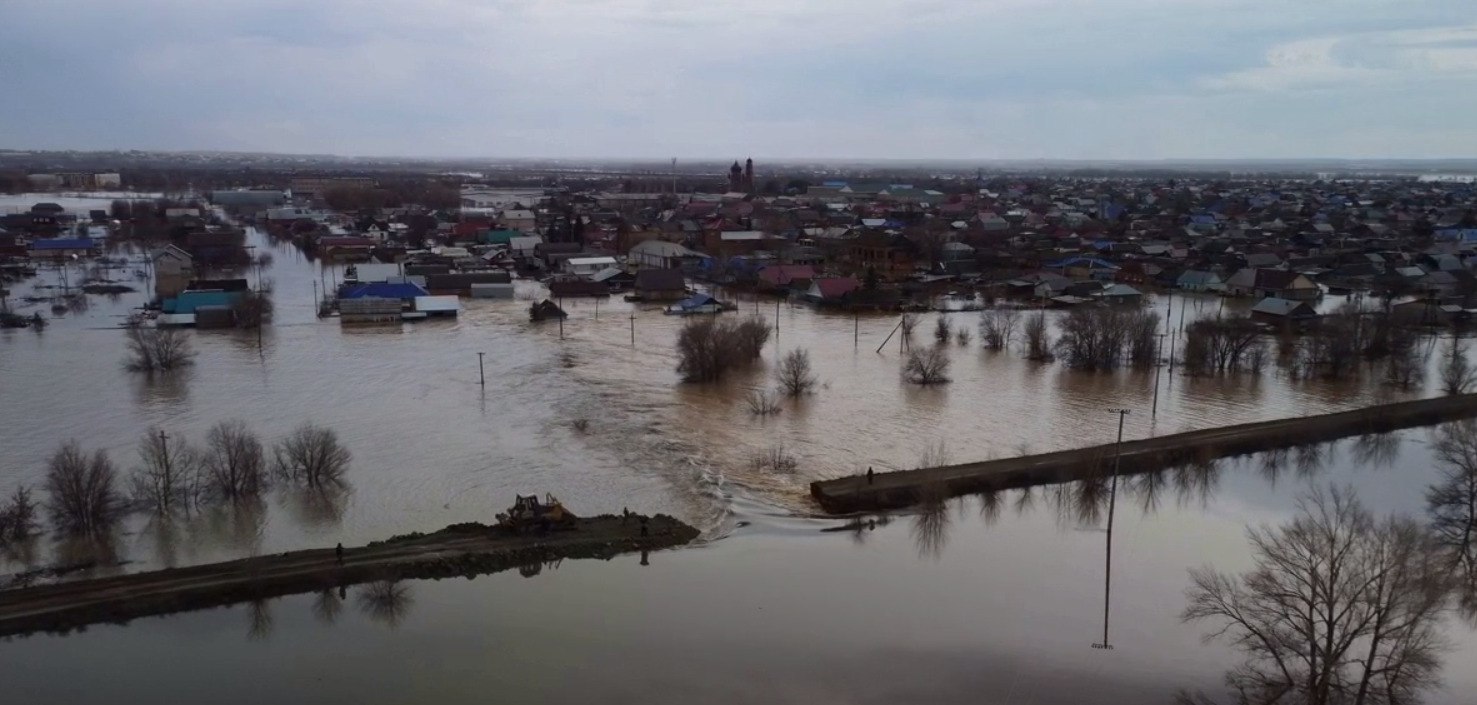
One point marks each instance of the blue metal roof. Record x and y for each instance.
(80, 243)
(697, 300)
(384, 290)
(188, 301)
(1089, 262)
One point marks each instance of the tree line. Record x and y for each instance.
(86, 493)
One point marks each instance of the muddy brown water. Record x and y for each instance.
(771, 608)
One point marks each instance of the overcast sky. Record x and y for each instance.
(976, 79)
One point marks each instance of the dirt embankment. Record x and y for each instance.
(458, 550)
(904, 488)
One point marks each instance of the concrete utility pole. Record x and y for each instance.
(633, 329)
(1112, 504)
(481, 378)
(1158, 368)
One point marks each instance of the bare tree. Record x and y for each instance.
(762, 403)
(1457, 374)
(776, 459)
(168, 474)
(962, 335)
(941, 329)
(18, 517)
(157, 349)
(81, 491)
(1338, 608)
(749, 337)
(1452, 506)
(927, 367)
(1099, 338)
(997, 327)
(313, 456)
(707, 347)
(1222, 345)
(233, 461)
(795, 376)
(254, 309)
(1038, 337)
(701, 356)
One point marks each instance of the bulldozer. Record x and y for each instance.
(528, 513)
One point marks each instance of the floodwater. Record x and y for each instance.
(999, 602)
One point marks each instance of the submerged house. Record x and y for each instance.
(695, 304)
(1276, 310)
(831, 290)
(660, 285)
(1275, 283)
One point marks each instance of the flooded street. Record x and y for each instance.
(1000, 598)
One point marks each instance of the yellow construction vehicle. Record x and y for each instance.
(529, 513)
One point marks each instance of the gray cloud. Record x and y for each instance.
(792, 78)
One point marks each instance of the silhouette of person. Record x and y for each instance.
(869, 474)
(339, 553)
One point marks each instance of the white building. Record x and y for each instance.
(587, 266)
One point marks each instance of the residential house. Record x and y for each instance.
(62, 248)
(1275, 283)
(780, 277)
(1282, 311)
(1200, 281)
(173, 270)
(831, 290)
(587, 266)
(659, 254)
(519, 219)
(660, 285)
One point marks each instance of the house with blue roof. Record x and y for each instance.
(187, 302)
(62, 248)
(403, 291)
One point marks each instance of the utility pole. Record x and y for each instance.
(856, 330)
(168, 476)
(1158, 368)
(633, 329)
(481, 377)
(315, 299)
(1112, 504)
(562, 315)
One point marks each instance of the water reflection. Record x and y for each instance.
(1340, 607)
(318, 507)
(258, 620)
(328, 604)
(385, 601)
(931, 523)
(1376, 450)
(1451, 504)
(162, 389)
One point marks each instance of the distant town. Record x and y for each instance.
(856, 240)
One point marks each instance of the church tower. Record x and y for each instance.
(748, 176)
(735, 178)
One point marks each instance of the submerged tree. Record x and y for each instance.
(1037, 337)
(794, 374)
(1339, 608)
(233, 461)
(997, 327)
(927, 367)
(942, 331)
(82, 495)
(313, 456)
(707, 347)
(168, 475)
(157, 349)
(18, 517)
(1457, 374)
(1222, 345)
